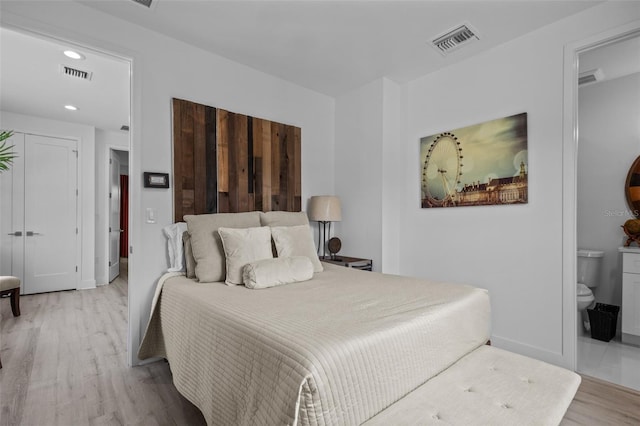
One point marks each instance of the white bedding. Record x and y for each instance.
(335, 350)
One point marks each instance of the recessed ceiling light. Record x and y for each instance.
(71, 107)
(73, 54)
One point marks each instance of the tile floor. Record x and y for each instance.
(611, 361)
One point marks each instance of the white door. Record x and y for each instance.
(44, 214)
(114, 216)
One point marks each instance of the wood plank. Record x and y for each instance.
(297, 168)
(211, 186)
(199, 159)
(275, 162)
(266, 166)
(177, 159)
(232, 169)
(290, 167)
(188, 181)
(222, 138)
(242, 163)
(284, 167)
(258, 178)
(602, 403)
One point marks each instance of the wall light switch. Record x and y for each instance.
(151, 215)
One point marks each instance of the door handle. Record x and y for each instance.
(31, 233)
(16, 234)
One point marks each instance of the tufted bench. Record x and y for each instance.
(489, 386)
(10, 286)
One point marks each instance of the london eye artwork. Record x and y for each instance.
(482, 164)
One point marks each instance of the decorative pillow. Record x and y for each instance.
(283, 218)
(174, 233)
(242, 246)
(189, 261)
(273, 272)
(296, 241)
(206, 244)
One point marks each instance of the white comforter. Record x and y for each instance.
(335, 350)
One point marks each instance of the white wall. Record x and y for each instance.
(85, 135)
(609, 142)
(164, 68)
(514, 251)
(358, 165)
(105, 140)
(368, 130)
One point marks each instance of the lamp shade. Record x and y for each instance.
(325, 208)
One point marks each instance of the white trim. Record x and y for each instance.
(569, 173)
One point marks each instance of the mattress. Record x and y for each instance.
(335, 350)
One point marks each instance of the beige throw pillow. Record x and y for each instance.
(296, 241)
(206, 244)
(278, 218)
(242, 246)
(189, 261)
(274, 272)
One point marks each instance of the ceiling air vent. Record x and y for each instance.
(74, 72)
(455, 38)
(591, 76)
(146, 3)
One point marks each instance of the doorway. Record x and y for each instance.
(118, 214)
(34, 71)
(608, 108)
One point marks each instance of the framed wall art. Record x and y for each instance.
(478, 165)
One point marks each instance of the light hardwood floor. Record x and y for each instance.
(64, 364)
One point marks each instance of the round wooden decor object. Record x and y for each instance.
(334, 245)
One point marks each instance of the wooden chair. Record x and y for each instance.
(11, 286)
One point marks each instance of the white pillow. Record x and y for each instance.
(296, 241)
(174, 233)
(273, 272)
(242, 246)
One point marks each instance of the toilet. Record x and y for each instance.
(589, 262)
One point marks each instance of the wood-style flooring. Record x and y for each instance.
(65, 364)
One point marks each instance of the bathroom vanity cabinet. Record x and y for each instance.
(630, 295)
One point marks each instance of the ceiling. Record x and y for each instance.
(334, 46)
(32, 83)
(327, 46)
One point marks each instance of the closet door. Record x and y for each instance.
(38, 214)
(50, 214)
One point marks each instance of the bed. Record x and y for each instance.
(337, 349)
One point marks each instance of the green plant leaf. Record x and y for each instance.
(6, 151)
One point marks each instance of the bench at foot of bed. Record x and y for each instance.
(490, 386)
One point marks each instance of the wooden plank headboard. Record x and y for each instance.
(229, 162)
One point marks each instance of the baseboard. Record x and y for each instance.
(87, 284)
(530, 351)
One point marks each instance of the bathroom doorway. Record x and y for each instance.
(608, 108)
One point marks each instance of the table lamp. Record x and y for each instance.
(324, 209)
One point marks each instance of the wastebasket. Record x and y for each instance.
(604, 321)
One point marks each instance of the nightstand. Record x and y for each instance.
(351, 262)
